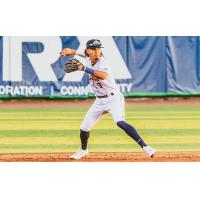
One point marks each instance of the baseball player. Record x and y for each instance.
(108, 97)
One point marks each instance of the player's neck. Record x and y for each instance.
(93, 62)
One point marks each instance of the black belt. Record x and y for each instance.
(105, 96)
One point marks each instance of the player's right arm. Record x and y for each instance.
(96, 73)
(69, 52)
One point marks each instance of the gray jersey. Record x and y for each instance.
(102, 87)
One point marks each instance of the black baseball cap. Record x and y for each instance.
(94, 43)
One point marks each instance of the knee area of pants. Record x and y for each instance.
(85, 129)
(84, 132)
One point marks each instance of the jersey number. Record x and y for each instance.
(99, 84)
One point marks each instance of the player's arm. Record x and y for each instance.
(69, 52)
(98, 74)
(74, 65)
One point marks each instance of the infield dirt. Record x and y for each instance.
(103, 157)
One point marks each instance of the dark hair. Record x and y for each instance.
(86, 53)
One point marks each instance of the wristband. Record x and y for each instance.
(88, 70)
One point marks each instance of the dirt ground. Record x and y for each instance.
(44, 103)
(103, 157)
(100, 157)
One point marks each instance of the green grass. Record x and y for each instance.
(168, 128)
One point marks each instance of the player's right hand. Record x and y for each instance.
(67, 52)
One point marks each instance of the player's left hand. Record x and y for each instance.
(73, 65)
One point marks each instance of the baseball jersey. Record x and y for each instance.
(102, 87)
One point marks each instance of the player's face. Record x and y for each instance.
(94, 54)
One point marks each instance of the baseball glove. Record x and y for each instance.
(72, 65)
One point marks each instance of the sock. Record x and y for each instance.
(130, 130)
(84, 135)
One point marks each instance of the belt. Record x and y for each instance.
(105, 96)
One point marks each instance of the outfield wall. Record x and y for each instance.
(142, 66)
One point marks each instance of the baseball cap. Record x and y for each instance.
(94, 43)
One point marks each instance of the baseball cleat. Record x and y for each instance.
(149, 151)
(79, 154)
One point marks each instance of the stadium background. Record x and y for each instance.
(142, 66)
